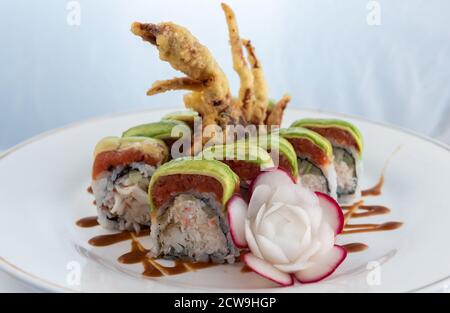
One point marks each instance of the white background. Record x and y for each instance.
(322, 52)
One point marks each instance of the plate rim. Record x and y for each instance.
(46, 285)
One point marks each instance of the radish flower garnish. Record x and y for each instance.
(289, 230)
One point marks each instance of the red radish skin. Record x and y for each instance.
(236, 213)
(332, 214)
(252, 262)
(342, 254)
(268, 172)
(333, 211)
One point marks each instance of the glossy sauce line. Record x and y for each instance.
(355, 247)
(370, 210)
(152, 268)
(87, 222)
(110, 239)
(375, 190)
(367, 228)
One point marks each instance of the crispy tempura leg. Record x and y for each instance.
(260, 86)
(210, 93)
(182, 83)
(182, 50)
(275, 116)
(148, 32)
(246, 95)
(196, 102)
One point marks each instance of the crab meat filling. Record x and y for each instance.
(312, 177)
(345, 166)
(121, 197)
(190, 230)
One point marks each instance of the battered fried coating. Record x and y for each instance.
(275, 115)
(261, 99)
(209, 90)
(181, 83)
(196, 102)
(253, 93)
(246, 92)
(184, 53)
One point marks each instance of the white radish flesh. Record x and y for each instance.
(267, 270)
(323, 266)
(272, 178)
(236, 213)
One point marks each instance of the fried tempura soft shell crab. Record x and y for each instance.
(210, 93)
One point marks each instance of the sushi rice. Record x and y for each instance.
(121, 197)
(192, 227)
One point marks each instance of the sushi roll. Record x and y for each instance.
(168, 131)
(246, 159)
(188, 200)
(120, 177)
(281, 151)
(347, 149)
(315, 159)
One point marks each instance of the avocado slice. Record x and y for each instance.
(284, 147)
(333, 123)
(186, 116)
(159, 130)
(194, 166)
(242, 151)
(152, 146)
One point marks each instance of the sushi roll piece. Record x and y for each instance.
(168, 131)
(188, 199)
(120, 177)
(315, 159)
(281, 151)
(246, 159)
(347, 144)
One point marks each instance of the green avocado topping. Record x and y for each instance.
(242, 151)
(333, 123)
(160, 130)
(275, 141)
(151, 146)
(187, 116)
(194, 166)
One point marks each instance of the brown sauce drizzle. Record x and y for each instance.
(86, 222)
(90, 190)
(370, 210)
(355, 247)
(110, 239)
(375, 190)
(136, 255)
(152, 268)
(246, 269)
(359, 210)
(367, 228)
(351, 209)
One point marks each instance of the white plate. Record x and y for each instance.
(43, 193)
